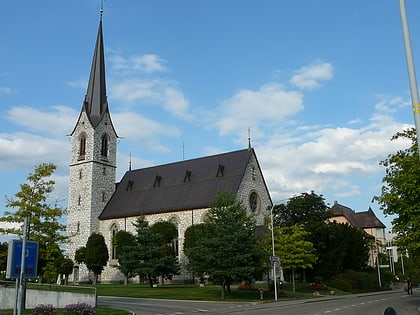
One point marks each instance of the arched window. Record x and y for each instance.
(175, 241)
(104, 146)
(82, 146)
(114, 231)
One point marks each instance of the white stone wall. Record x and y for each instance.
(184, 219)
(92, 183)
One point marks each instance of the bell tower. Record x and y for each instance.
(93, 160)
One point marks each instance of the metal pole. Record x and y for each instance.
(272, 246)
(411, 70)
(22, 270)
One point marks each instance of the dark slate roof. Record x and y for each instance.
(184, 185)
(95, 103)
(361, 220)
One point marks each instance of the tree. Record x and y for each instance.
(65, 267)
(225, 245)
(44, 223)
(400, 193)
(150, 253)
(294, 250)
(339, 247)
(3, 259)
(121, 239)
(305, 209)
(94, 255)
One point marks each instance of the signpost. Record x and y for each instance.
(14, 259)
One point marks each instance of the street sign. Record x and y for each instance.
(274, 258)
(14, 258)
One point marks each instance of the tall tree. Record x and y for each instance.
(3, 259)
(293, 249)
(339, 247)
(400, 194)
(226, 245)
(305, 209)
(44, 219)
(94, 255)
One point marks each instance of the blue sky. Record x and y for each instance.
(322, 85)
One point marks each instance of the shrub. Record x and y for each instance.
(44, 309)
(78, 309)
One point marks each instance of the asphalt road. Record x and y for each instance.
(365, 304)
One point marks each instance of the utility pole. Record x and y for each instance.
(411, 70)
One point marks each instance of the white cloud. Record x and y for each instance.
(6, 90)
(56, 121)
(270, 104)
(137, 130)
(309, 77)
(144, 63)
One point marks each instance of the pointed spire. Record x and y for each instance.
(95, 100)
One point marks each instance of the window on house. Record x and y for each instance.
(79, 200)
(130, 185)
(187, 177)
(78, 227)
(158, 179)
(104, 170)
(253, 173)
(220, 170)
(80, 174)
(104, 146)
(175, 241)
(114, 231)
(103, 196)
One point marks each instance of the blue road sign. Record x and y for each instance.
(15, 257)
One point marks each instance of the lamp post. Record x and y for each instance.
(411, 70)
(274, 255)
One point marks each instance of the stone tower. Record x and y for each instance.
(93, 161)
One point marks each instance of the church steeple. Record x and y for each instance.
(95, 103)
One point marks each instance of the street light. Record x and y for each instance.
(274, 255)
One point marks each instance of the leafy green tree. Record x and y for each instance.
(400, 194)
(225, 246)
(3, 259)
(44, 219)
(65, 267)
(121, 239)
(339, 247)
(125, 244)
(94, 255)
(305, 209)
(294, 250)
(148, 251)
(168, 233)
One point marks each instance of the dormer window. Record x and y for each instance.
(187, 177)
(158, 179)
(130, 185)
(220, 171)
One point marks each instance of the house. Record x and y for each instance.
(365, 221)
(180, 192)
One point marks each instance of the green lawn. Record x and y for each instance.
(187, 292)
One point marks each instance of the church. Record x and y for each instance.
(179, 192)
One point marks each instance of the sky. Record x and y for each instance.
(321, 85)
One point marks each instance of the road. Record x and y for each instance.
(364, 304)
